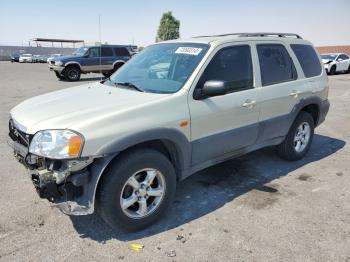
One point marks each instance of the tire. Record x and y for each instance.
(289, 149)
(72, 73)
(59, 76)
(348, 71)
(113, 186)
(333, 70)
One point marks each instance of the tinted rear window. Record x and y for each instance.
(276, 66)
(121, 51)
(107, 51)
(308, 59)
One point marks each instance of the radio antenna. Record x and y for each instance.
(99, 36)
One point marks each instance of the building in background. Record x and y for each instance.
(334, 49)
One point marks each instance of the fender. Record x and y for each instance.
(72, 63)
(177, 139)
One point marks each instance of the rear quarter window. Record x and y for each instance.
(308, 59)
(121, 51)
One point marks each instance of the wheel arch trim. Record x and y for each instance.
(118, 62)
(73, 63)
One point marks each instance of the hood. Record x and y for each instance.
(71, 108)
(63, 57)
(326, 61)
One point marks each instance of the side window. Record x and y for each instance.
(308, 59)
(121, 51)
(344, 57)
(94, 52)
(233, 65)
(276, 66)
(106, 51)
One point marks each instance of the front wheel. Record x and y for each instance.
(72, 73)
(333, 70)
(136, 189)
(299, 138)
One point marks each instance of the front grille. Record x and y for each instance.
(17, 135)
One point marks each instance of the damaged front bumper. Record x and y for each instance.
(69, 184)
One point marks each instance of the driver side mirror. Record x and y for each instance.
(339, 59)
(214, 88)
(211, 88)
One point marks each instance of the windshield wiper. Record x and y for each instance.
(128, 84)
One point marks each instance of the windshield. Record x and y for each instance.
(26, 55)
(80, 51)
(329, 57)
(162, 68)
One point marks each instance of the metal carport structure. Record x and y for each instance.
(53, 40)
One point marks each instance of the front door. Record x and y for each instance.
(222, 124)
(92, 61)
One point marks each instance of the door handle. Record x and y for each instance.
(295, 93)
(249, 103)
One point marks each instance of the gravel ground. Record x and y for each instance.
(255, 208)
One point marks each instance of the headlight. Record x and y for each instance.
(58, 63)
(57, 144)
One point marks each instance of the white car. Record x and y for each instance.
(336, 62)
(26, 58)
(119, 146)
(52, 57)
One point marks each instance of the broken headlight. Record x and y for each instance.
(56, 144)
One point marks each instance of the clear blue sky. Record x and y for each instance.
(324, 22)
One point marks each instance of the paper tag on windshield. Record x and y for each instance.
(188, 50)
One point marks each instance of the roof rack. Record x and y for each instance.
(256, 34)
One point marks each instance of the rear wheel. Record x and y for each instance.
(348, 71)
(136, 189)
(115, 68)
(299, 138)
(72, 73)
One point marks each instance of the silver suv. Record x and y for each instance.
(119, 146)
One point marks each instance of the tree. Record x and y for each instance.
(169, 28)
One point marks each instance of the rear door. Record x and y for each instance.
(107, 58)
(279, 91)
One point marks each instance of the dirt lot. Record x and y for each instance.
(255, 208)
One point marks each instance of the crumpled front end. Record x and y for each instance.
(69, 184)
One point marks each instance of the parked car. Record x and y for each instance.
(51, 57)
(25, 58)
(118, 147)
(36, 58)
(43, 58)
(15, 58)
(88, 60)
(336, 62)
